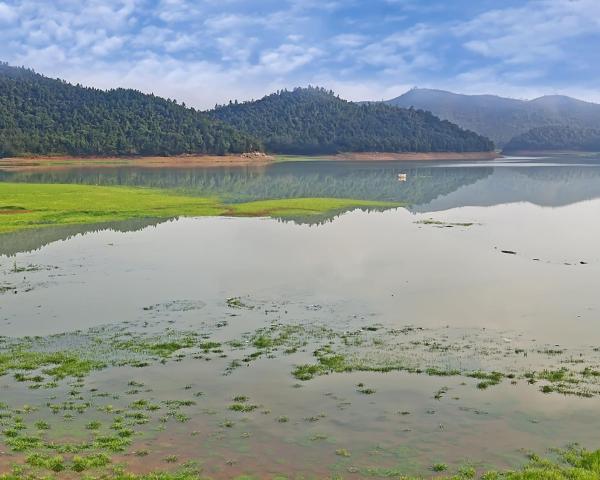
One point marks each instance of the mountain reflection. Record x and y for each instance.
(428, 187)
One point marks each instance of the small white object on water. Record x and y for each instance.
(507, 340)
(402, 177)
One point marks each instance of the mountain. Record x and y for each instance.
(315, 121)
(501, 118)
(41, 116)
(556, 138)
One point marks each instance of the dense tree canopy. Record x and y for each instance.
(558, 137)
(39, 115)
(313, 120)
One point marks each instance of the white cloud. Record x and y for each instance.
(107, 45)
(532, 32)
(288, 57)
(208, 51)
(350, 40)
(7, 13)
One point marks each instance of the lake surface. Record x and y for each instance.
(491, 266)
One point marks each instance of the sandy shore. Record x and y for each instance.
(180, 161)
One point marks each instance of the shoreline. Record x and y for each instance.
(412, 156)
(538, 153)
(48, 162)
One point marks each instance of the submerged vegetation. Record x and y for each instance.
(27, 206)
(569, 464)
(312, 349)
(75, 428)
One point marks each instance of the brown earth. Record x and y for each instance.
(13, 211)
(179, 161)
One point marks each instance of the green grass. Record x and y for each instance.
(42, 205)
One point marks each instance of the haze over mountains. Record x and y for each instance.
(556, 138)
(499, 118)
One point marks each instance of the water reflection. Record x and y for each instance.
(422, 187)
(428, 185)
(30, 240)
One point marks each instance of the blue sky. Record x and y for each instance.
(208, 51)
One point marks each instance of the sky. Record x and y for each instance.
(205, 52)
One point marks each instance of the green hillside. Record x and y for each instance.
(314, 120)
(42, 116)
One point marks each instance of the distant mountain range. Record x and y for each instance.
(498, 118)
(314, 120)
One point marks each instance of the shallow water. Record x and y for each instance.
(506, 251)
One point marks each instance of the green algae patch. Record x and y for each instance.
(44, 205)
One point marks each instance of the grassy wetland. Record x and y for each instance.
(41, 205)
(454, 337)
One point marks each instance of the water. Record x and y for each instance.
(502, 254)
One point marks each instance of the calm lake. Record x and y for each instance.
(463, 328)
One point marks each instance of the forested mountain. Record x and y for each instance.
(39, 115)
(42, 116)
(501, 118)
(556, 138)
(314, 120)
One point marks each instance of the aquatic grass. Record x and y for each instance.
(434, 371)
(23, 443)
(489, 379)
(342, 452)
(553, 375)
(439, 223)
(55, 463)
(58, 365)
(162, 349)
(93, 425)
(306, 372)
(83, 463)
(42, 425)
(236, 302)
(115, 443)
(242, 407)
